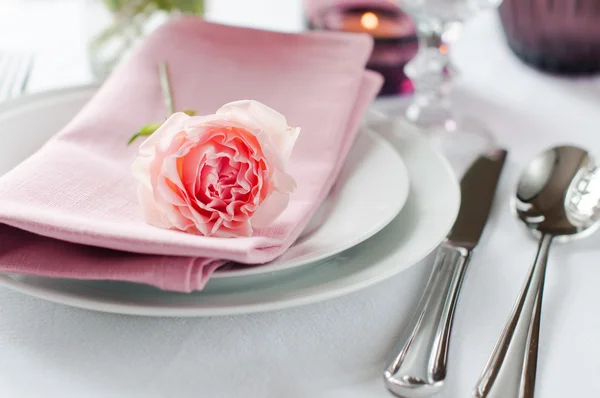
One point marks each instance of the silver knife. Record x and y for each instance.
(418, 368)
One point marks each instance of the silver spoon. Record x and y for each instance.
(557, 198)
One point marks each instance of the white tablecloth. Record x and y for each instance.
(336, 348)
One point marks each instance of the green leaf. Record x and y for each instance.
(185, 6)
(164, 5)
(146, 130)
(150, 128)
(113, 4)
(189, 6)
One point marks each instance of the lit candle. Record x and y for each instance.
(380, 23)
(393, 33)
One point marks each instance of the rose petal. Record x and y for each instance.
(231, 229)
(272, 124)
(163, 137)
(152, 214)
(146, 166)
(170, 193)
(270, 209)
(218, 175)
(283, 182)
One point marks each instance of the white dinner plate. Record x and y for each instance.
(424, 221)
(341, 222)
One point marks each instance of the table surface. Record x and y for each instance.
(335, 348)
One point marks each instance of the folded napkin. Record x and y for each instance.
(71, 209)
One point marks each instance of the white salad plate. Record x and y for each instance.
(427, 194)
(341, 222)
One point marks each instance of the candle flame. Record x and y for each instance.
(369, 20)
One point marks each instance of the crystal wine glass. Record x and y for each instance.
(438, 24)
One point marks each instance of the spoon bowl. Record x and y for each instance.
(557, 198)
(558, 194)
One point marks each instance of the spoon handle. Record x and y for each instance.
(511, 369)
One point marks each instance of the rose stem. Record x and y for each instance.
(166, 88)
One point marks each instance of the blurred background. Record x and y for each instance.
(73, 42)
(60, 34)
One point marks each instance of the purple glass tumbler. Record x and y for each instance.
(557, 36)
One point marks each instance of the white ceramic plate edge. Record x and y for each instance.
(317, 294)
(403, 186)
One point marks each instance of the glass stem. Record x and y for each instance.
(431, 73)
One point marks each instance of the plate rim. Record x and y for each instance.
(66, 298)
(401, 202)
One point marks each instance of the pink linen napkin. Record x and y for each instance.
(75, 199)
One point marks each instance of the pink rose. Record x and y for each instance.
(219, 175)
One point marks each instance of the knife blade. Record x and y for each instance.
(418, 367)
(477, 188)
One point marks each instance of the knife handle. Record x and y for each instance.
(418, 368)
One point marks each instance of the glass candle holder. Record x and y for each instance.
(392, 30)
(557, 36)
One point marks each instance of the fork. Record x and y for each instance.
(15, 68)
